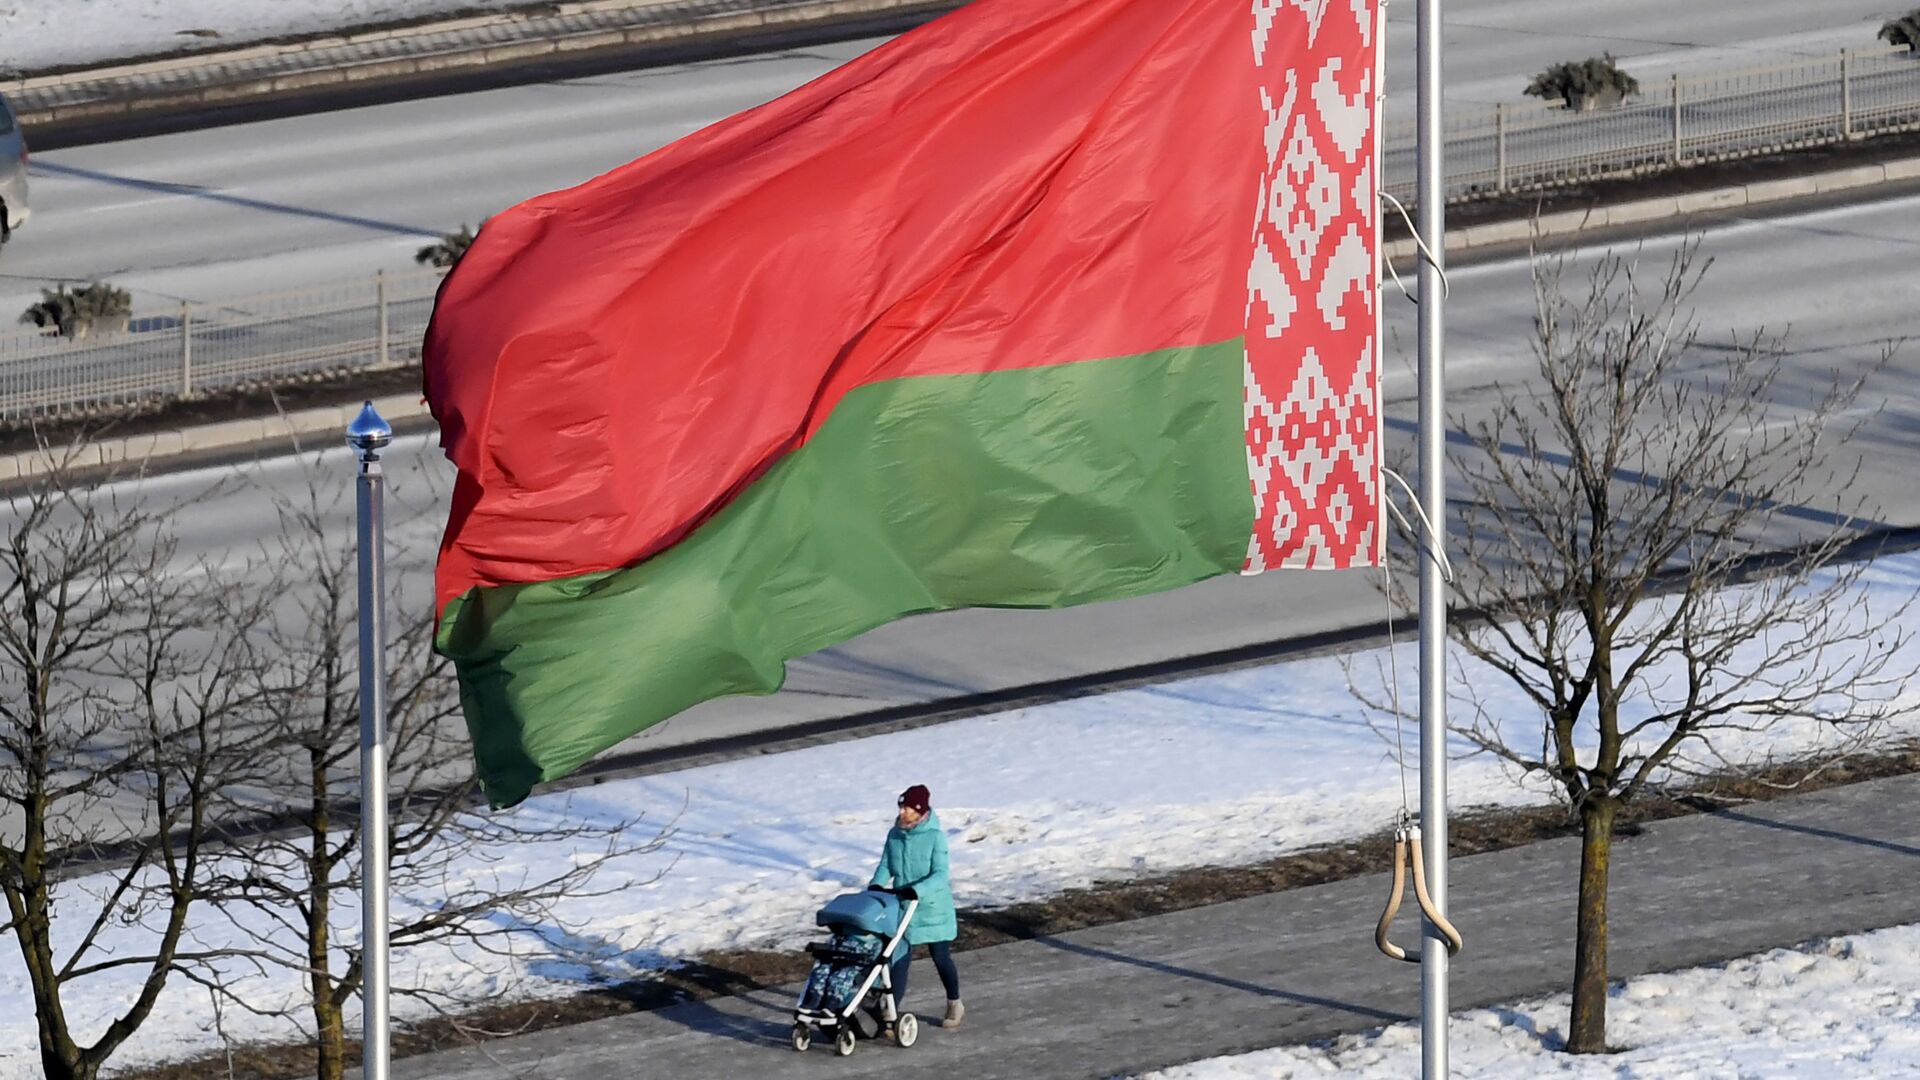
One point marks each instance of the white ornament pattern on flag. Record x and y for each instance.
(1311, 393)
(1305, 198)
(1348, 269)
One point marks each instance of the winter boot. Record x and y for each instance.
(955, 1011)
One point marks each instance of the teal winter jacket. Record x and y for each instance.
(917, 858)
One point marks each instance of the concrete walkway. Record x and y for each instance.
(1300, 965)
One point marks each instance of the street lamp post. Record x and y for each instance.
(368, 435)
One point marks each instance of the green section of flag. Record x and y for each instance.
(1035, 488)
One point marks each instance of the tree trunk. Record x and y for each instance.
(64, 1070)
(331, 1051)
(70, 1071)
(60, 1057)
(1587, 1028)
(330, 1043)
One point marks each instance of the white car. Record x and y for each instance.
(13, 173)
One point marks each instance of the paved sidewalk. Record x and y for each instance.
(1300, 965)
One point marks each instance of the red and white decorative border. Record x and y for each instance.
(1313, 320)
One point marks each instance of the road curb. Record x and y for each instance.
(1640, 211)
(136, 452)
(227, 78)
(245, 53)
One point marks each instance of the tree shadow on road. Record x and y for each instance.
(773, 1016)
(198, 191)
(1824, 834)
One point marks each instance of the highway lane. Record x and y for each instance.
(1838, 282)
(224, 212)
(279, 204)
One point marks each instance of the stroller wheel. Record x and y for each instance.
(843, 1042)
(906, 1030)
(802, 1037)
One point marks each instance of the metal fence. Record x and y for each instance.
(1685, 120)
(365, 324)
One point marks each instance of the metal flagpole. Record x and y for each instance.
(368, 435)
(1433, 609)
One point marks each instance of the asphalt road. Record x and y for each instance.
(1296, 966)
(264, 205)
(1838, 282)
(227, 211)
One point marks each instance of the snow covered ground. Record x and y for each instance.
(1220, 769)
(1834, 1009)
(41, 34)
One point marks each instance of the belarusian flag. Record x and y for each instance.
(1046, 302)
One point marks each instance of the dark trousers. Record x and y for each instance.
(942, 962)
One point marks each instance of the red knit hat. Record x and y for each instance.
(917, 798)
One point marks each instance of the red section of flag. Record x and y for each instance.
(1021, 183)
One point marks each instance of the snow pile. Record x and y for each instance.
(43, 34)
(1846, 1007)
(1215, 770)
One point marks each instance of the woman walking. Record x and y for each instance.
(915, 857)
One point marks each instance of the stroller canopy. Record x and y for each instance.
(870, 912)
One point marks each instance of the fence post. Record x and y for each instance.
(380, 289)
(1500, 146)
(186, 349)
(1676, 121)
(1846, 93)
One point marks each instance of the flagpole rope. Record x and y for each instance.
(1393, 684)
(1426, 253)
(1406, 834)
(1428, 539)
(1429, 535)
(1426, 535)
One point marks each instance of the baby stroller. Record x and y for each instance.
(853, 967)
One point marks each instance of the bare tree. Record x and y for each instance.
(301, 869)
(1638, 526)
(125, 680)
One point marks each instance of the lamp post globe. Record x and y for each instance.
(369, 433)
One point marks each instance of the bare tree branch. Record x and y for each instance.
(1612, 513)
(442, 840)
(120, 669)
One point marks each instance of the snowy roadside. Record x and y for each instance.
(1837, 1008)
(47, 34)
(1226, 769)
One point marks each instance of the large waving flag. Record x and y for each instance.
(1046, 302)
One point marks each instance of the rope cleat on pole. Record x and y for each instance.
(1406, 849)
